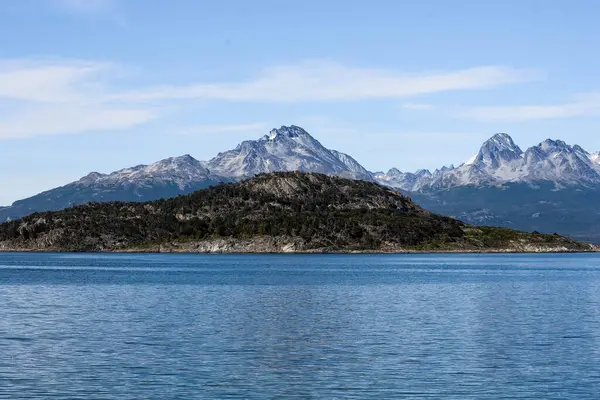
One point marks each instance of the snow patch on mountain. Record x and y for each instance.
(500, 161)
(404, 180)
(471, 160)
(353, 166)
(181, 171)
(285, 149)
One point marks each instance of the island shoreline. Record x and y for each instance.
(305, 252)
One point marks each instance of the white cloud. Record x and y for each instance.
(416, 106)
(43, 97)
(328, 81)
(55, 97)
(215, 129)
(582, 105)
(70, 119)
(49, 81)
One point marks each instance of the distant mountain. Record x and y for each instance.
(163, 179)
(550, 187)
(407, 181)
(285, 149)
(500, 161)
(278, 212)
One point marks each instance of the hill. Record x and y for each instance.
(284, 211)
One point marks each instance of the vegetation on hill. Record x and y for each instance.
(298, 211)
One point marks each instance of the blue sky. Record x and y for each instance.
(99, 85)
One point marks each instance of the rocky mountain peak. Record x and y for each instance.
(177, 162)
(289, 148)
(553, 145)
(93, 176)
(580, 149)
(497, 150)
(394, 172)
(501, 140)
(291, 131)
(423, 172)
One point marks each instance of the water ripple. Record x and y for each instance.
(302, 327)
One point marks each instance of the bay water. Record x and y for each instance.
(143, 326)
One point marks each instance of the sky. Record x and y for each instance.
(100, 85)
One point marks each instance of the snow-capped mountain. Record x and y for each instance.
(556, 161)
(500, 161)
(182, 172)
(163, 179)
(285, 149)
(408, 181)
(551, 187)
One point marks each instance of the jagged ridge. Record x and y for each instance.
(285, 149)
(500, 161)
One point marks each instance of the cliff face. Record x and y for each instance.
(279, 212)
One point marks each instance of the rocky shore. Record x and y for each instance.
(291, 245)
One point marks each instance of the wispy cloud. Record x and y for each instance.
(416, 106)
(71, 118)
(62, 97)
(258, 127)
(71, 96)
(49, 81)
(329, 81)
(583, 105)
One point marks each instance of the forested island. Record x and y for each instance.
(276, 212)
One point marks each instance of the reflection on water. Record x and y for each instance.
(258, 327)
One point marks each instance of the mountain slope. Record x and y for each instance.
(275, 212)
(285, 149)
(574, 212)
(163, 179)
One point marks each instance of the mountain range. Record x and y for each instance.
(500, 161)
(551, 187)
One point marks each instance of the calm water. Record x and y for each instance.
(306, 327)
